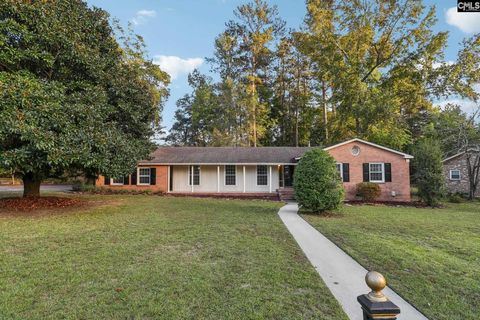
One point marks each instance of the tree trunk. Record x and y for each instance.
(296, 128)
(31, 185)
(90, 179)
(325, 114)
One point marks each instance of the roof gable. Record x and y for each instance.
(471, 150)
(405, 155)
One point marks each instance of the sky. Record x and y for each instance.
(180, 34)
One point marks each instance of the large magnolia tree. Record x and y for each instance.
(71, 96)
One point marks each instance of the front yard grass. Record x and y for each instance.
(150, 257)
(429, 256)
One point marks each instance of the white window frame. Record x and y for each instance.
(149, 177)
(459, 175)
(341, 169)
(113, 183)
(370, 172)
(266, 174)
(225, 175)
(191, 167)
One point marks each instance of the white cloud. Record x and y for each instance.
(468, 22)
(176, 66)
(142, 16)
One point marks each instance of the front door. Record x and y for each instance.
(288, 175)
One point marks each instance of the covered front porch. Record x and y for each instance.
(231, 179)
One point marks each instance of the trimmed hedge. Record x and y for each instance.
(368, 191)
(317, 184)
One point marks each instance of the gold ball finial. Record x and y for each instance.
(376, 281)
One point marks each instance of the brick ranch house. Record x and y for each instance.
(455, 170)
(264, 171)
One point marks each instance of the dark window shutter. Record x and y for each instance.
(107, 181)
(388, 172)
(346, 172)
(126, 181)
(133, 177)
(153, 176)
(366, 172)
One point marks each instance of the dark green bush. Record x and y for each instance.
(428, 168)
(317, 184)
(368, 191)
(89, 188)
(83, 187)
(455, 198)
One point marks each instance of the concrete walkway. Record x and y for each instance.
(343, 276)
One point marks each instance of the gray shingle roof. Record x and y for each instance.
(225, 155)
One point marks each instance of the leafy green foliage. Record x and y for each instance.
(455, 198)
(72, 97)
(363, 69)
(428, 168)
(368, 191)
(317, 184)
(197, 117)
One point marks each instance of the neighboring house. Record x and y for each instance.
(264, 171)
(455, 169)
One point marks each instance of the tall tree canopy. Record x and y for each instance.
(369, 69)
(72, 97)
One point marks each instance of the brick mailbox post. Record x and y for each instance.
(375, 305)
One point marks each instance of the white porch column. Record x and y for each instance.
(191, 176)
(218, 178)
(244, 179)
(270, 179)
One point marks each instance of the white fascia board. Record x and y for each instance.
(405, 155)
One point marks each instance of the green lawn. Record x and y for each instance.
(430, 256)
(150, 257)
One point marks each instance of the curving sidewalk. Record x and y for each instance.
(342, 274)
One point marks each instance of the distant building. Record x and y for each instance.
(456, 174)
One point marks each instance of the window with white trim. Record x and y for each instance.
(340, 169)
(377, 172)
(262, 176)
(118, 181)
(454, 174)
(144, 175)
(230, 175)
(194, 175)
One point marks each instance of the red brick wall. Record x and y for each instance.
(160, 185)
(400, 170)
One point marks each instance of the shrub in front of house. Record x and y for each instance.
(368, 191)
(87, 188)
(317, 184)
(455, 197)
(428, 168)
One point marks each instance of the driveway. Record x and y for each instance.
(43, 188)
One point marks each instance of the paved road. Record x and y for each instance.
(44, 188)
(342, 275)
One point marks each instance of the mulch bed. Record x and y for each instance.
(416, 204)
(38, 203)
